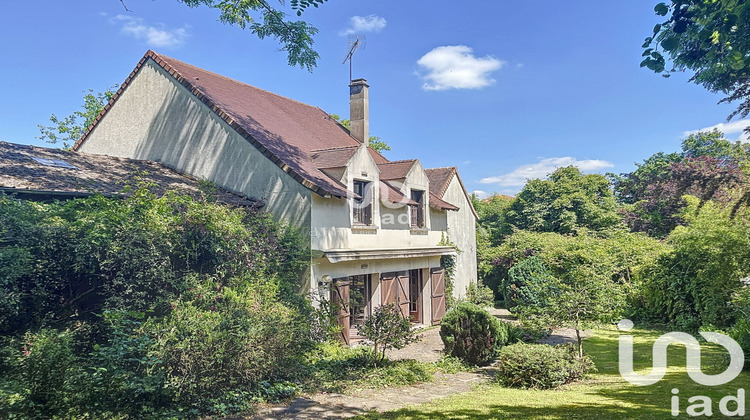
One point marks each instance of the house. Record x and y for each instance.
(375, 226)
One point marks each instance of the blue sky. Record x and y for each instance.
(503, 90)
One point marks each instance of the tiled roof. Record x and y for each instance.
(395, 170)
(285, 130)
(53, 172)
(440, 178)
(336, 157)
(440, 204)
(393, 195)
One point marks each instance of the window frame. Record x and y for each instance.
(417, 212)
(362, 188)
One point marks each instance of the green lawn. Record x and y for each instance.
(603, 396)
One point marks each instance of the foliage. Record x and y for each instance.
(448, 263)
(693, 285)
(336, 368)
(70, 129)
(374, 142)
(73, 259)
(493, 217)
(574, 281)
(296, 37)
(541, 366)
(221, 337)
(480, 295)
(709, 38)
(709, 167)
(564, 203)
(146, 307)
(387, 329)
(471, 333)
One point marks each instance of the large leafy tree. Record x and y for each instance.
(711, 38)
(565, 202)
(709, 167)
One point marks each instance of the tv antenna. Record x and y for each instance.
(354, 45)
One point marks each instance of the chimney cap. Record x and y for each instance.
(357, 82)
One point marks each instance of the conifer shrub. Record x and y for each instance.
(472, 334)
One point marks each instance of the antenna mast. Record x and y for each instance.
(354, 45)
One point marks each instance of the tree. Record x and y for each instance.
(71, 128)
(387, 329)
(296, 37)
(565, 202)
(576, 281)
(709, 167)
(374, 142)
(710, 38)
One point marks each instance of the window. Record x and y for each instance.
(359, 298)
(362, 207)
(417, 211)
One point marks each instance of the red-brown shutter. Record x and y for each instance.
(388, 288)
(403, 293)
(437, 275)
(340, 301)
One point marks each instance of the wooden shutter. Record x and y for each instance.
(437, 276)
(402, 295)
(340, 301)
(388, 288)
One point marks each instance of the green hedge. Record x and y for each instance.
(541, 366)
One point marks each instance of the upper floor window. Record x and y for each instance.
(417, 212)
(362, 207)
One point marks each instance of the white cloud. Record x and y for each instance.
(456, 67)
(360, 24)
(735, 127)
(541, 169)
(154, 36)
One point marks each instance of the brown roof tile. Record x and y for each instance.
(440, 204)
(334, 157)
(21, 172)
(395, 170)
(440, 178)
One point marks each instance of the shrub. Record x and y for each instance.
(480, 295)
(387, 329)
(541, 366)
(220, 338)
(471, 333)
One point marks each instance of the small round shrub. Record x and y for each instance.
(541, 366)
(472, 334)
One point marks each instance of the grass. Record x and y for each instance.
(605, 395)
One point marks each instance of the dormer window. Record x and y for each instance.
(417, 211)
(362, 207)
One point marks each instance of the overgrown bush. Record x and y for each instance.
(147, 307)
(228, 337)
(471, 333)
(541, 366)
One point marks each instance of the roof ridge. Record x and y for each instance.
(454, 168)
(325, 149)
(398, 161)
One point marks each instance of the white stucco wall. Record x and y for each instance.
(157, 119)
(462, 231)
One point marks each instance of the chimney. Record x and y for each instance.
(359, 110)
